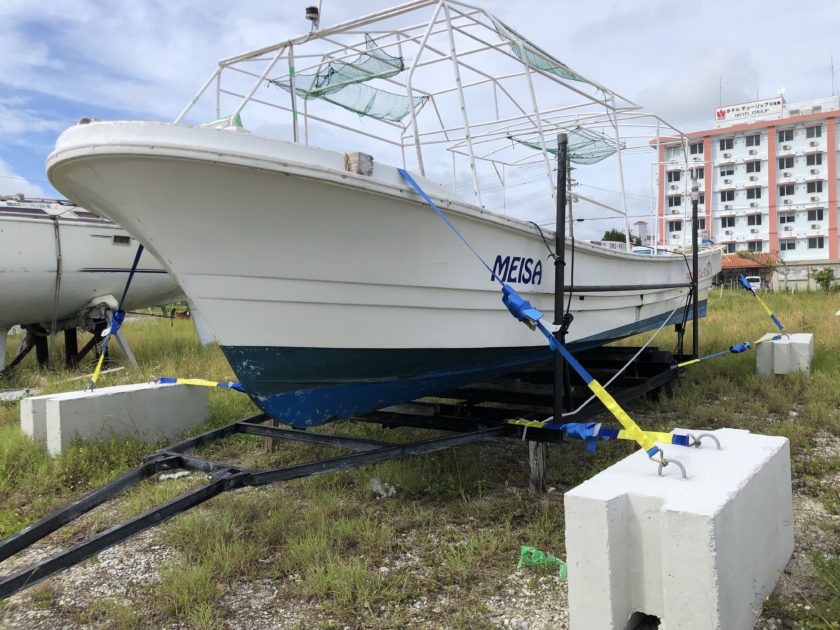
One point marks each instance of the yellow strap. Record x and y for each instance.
(633, 430)
(528, 423)
(656, 436)
(196, 381)
(766, 308)
(98, 369)
(684, 363)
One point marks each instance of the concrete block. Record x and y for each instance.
(698, 553)
(792, 353)
(150, 412)
(33, 417)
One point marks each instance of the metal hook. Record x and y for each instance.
(695, 441)
(664, 462)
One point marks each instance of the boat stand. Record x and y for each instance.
(223, 478)
(472, 413)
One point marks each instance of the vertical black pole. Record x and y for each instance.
(71, 347)
(559, 269)
(695, 249)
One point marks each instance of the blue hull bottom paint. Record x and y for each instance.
(310, 386)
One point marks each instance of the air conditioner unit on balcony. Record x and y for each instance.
(786, 174)
(788, 202)
(727, 155)
(675, 186)
(753, 178)
(753, 204)
(754, 230)
(696, 158)
(727, 181)
(788, 228)
(675, 234)
(727, 232)
(727, 206)
(786, 147)
(753, 152)
(815, 171)
(814, 143)
(815, 226)
(815, 198)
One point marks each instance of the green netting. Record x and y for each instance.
(585, 146)
(343, 84)
(531, 54)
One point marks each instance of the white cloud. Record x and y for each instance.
(17, 118)
(12, 183)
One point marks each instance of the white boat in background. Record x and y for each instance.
(331, 286)
(58, 260)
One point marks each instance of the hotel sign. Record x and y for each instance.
(753, 109)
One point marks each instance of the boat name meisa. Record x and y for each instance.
(517, 269)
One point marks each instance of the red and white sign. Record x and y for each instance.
(753, 109)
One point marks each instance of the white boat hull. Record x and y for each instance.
(305, 272)
(92, 267)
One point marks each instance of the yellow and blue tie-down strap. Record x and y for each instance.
(116, 320)
(745, 283)
(167, 380)
(527, 314)
(736, 349)
(589, 432)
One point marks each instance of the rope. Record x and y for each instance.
(116, 320)
(527, 314)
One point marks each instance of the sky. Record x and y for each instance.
(144, 59)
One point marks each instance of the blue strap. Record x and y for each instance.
(777, 322)
(745, 283)
(431, 203)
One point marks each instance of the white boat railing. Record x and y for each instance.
(474, 87)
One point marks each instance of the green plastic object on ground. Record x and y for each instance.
(532, 557)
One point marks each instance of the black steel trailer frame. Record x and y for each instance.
(473, 413)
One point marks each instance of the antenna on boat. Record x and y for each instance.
(313, 14)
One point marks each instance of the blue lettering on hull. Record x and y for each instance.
(517, 269)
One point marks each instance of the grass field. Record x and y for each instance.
(332, 554)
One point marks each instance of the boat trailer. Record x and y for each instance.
(472, 413)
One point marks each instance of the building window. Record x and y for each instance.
(673, 202)
(754, 246)
(754, 140)
(727, 222)
(815, 215)
(787, 217)
(699, 172)
(701, 223)
(785, 190)
(730, 248)
(754, 166)
(786, 135)
(753, 219)
(726, 144)
(701, 198)
(787, 245)
(813, 132)
(815, 187)
(754, 193)
(727, 195)
(675, 226)
(673, 176)
(696, 148)
(817, 242)
(727, 169)
(815, 159)
(785, 162)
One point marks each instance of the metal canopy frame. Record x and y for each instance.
(479, 91)
(473, 413)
